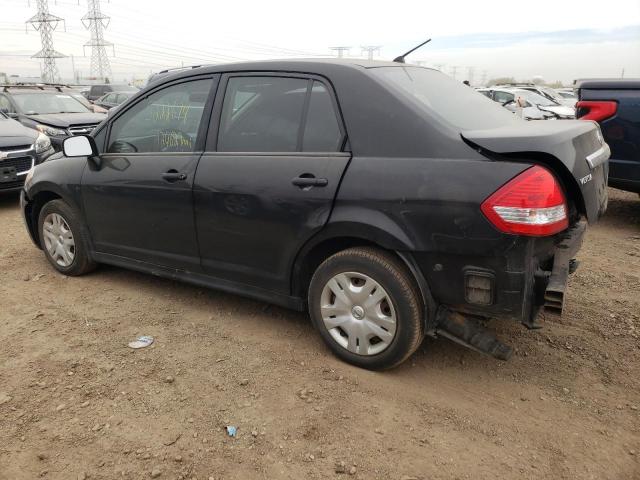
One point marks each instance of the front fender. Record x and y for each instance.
(50, 180)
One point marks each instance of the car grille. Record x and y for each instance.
(21, 164)
(12, 185)
(15, 147)
(82, 129)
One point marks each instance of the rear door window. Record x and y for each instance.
(322, 129)
(262, 114)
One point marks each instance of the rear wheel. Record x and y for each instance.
(63, 239)
(367, 308)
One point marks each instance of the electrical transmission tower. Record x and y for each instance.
(370, 49)
(95, 21)
(340, 50)
(45, 23)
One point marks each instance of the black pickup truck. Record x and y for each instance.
(615, 105)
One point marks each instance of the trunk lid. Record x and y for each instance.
(574, 149)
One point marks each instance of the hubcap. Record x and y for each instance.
(58, 240)
(358, 313)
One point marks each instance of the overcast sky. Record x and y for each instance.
(557, 40)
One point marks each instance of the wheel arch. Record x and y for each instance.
(38, 199)
(337, 238)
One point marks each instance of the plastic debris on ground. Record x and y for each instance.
(231, 430)
(141, 342)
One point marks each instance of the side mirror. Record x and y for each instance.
(6, 111)
(80, 146)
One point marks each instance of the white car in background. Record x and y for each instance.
(533, 105)
(568, 95)
(547, 92)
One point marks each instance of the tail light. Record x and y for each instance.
(596, 110)
(530, 204)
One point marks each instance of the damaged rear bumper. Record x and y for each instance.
(563, 265)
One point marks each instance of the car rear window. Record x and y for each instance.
(454, 102)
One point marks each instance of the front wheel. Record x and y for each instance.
(63, 239)
(367, 308)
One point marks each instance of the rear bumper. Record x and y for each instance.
(513, 280)
(562, 266)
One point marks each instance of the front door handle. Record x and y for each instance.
(172, 176)
(308, 180)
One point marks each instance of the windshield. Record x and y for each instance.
(44, 103)
(534, 98)
(568, 95)
(79, 97)
(552, 93)
(454, 102)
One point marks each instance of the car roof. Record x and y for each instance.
(617, 83)
(299, 65)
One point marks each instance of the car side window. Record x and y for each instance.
(168, 120)
(262, 114)
(322, 130)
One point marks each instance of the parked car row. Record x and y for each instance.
(532, 105)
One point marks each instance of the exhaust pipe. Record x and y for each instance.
(469, 333)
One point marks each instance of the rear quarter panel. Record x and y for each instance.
(431, 208)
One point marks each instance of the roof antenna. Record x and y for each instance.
(400, 59)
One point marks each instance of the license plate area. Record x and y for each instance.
(8, 174)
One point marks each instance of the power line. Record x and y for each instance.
(46, 23)
(94, 21)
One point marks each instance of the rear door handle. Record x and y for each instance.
(307, 180)
(173, 176)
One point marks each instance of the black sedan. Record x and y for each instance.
(388, 200)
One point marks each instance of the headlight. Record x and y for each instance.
(42, 143)
(50, 130)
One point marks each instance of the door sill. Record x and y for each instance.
(294, 303)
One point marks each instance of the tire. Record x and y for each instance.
(398, 317)
(79, 262)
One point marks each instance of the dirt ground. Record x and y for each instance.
(76, 402)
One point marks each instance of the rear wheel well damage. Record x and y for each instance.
(308, 261)
(33, 209)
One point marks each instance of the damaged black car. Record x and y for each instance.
(388, 200)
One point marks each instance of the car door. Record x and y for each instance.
(267, 180)
(138, 197)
